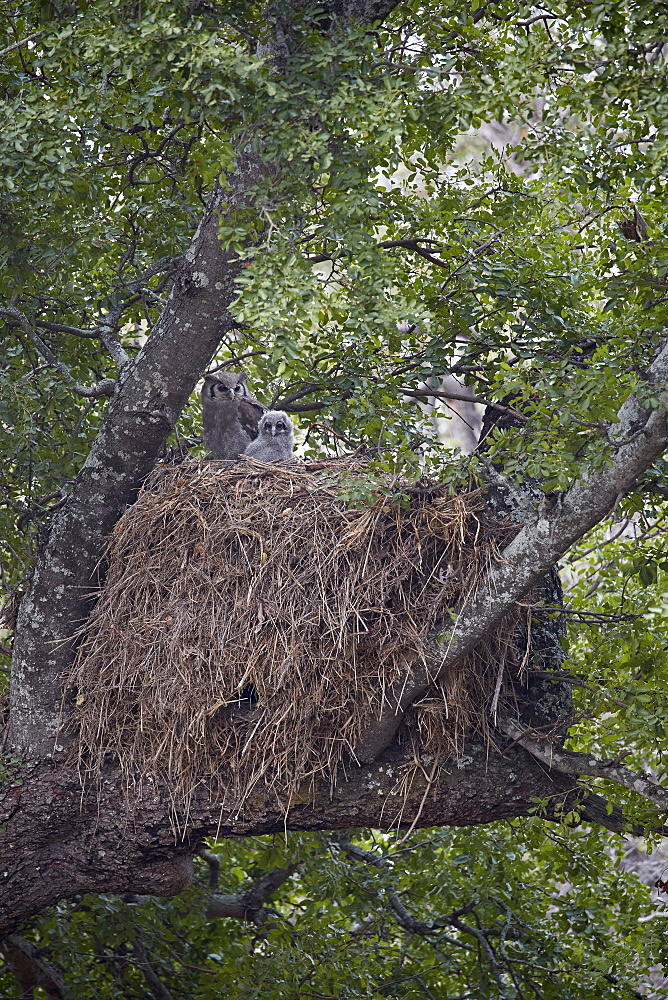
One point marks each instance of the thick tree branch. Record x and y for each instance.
(97, 841)
(152, 390)
(576, 764)
(641, 436)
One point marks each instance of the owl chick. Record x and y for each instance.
(275, 438)
(230, 414)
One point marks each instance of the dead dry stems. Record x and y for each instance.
(251, 621)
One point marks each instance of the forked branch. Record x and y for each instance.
(641, 435)
(106, 387)
(576, 764)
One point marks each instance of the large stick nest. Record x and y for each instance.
(251, 622)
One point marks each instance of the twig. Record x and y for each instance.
(23, 41)
(430, 781)
(440, 394)
(233, 361)
(568, 762)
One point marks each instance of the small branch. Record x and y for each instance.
(153, 981)
(248, 905)
(186, 207)
(234, 361)
(164, 264)
(106, 331)
(415, 246)
(440, 394)
(106, 387)
(61, 328)
(303, 407)
(30, 970)
(330, 430)
(485, 946)
(23, 41)
(568, 762)
(287, 402)
(213, 861)
(407, 921)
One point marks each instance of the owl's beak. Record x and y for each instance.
(273, 432)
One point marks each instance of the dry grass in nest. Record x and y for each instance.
(251, 622)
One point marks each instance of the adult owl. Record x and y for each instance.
(275, 438)
(230, 414)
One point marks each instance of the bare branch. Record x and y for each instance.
(249, 905)
(234, 361)
(61, 328)
(213, 861)
(30, 970)
(568, 762)
(640, 435)
(106, 387)
(406, 919)
(153, 981)
(441, 394)
(22, 41)
(163, 264)
(106, 331)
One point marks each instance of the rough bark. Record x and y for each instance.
(150, 395)
(640, 435)
(56, 846)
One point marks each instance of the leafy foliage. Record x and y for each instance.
(445, 195)
(499, 912)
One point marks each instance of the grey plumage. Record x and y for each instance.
(275, 438)
(230, 414)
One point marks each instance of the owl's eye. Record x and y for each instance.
(280, 426)
(238, 388)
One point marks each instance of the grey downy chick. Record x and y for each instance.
(230, 414)
(275, 438)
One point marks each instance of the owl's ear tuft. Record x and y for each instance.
(242, 377)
